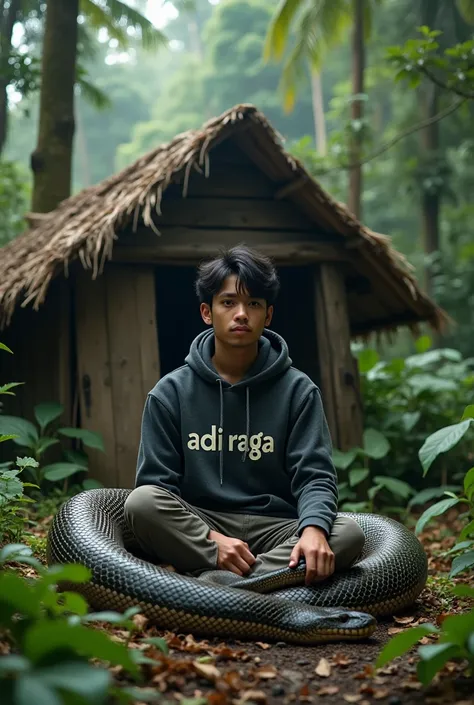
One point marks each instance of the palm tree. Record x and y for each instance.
(318, 26)
(51, 161)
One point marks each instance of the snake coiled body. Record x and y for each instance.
(90, 529)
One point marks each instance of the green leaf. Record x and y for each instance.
(410, 419)
(423, 343)
(70, 572)
(460, 547)
(463, 591)
(433, 658)
(26, 432)
(5, 388)
(367, 359)
(26, 462)
(17, 595)
(77, 457)
(357, 475)
(105, 616)
(342, 460)
(430, 493)
(59, 471)
(468, 412)
(9, 437)
(83, 679)
(457, 628)
(44, 443)
(434, 511)
(467, 531)
(401, 643)
(440, 442)
(47, 412)
(47, 637)
(157, 641)
(429, 383)
(91, 484)
(468, 481)
(397, 487)
(12, 663)
(14, 551)
(375, 444)
(10, 487)
(5, 347)
(89, 438)
(29, 689)
(462, 563)
(74, 603)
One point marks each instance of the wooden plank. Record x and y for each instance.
(182, 236)
(282, 253)
(65, 371)
(240, 213)
(147, 328)
(94, 372)
(236, 181)
(124, 329)
(343, 381)
(325, 358)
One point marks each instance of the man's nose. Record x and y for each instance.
(241, 312)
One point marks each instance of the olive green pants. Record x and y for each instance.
(171, 531)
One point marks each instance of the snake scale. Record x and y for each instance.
(90, 529)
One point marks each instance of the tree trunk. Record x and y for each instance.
(318, 113)
(8, 18)
(430, 200)
(51, 161)
(357, 110)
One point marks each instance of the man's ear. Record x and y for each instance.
(269, 317)
(206, 314)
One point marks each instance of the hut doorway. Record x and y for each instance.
(179, 320)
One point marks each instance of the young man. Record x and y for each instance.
(234, 466)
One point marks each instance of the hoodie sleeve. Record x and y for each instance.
(309, 463)
(160, 459)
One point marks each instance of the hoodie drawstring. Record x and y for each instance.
(221, 425)
(247, 428)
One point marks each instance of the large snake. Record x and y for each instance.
(90, 529)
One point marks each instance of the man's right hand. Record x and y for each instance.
(233, 554)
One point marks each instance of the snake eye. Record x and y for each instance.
(344, 618)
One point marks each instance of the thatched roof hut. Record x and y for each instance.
(227, 182)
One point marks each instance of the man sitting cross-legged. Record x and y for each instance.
(234, 466)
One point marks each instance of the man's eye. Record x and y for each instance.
(255, 303)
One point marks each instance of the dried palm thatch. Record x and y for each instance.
(86, 225)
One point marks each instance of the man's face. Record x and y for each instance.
(238, 319)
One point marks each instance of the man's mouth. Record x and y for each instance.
(241, 329)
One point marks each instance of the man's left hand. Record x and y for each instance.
(319, 557)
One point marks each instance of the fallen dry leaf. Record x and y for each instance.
(389, 670)
(328, 690)
(352, 698)
(207, 670)
(367, 689)
(403, 620)
(263, 645)
(368, 672)
(394, 630)
(140, 621)
(266, 672)
(381, 693)
(257, 696)
(412, 685)
(323, 668)
(340, 659)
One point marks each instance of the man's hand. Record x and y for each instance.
(319, 557)
(233, 554)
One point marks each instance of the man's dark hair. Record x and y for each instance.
(255, 273)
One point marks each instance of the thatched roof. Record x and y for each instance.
(86, 225)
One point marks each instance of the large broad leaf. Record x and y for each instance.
(10, 488)
(401, 643)
(47, 412)
(396, 486)
(26, 432)
(342, 460)
(85, 680)
(424, 382)
(59, 471)
(433, 356)
(440, 442)
(410, 419)
(367, 359)
(12, 663)
(29, 689)
(423, 344)
(357, 475)
(71, 572)
(457, 628)
(16, 594)
(431, 493)
(45, 638)
(468, 412)
(463, 591)
(434, 511)
(469, 483)
(44, 443)
(433, 657)
(462, 563)
(375, 444)
(13, 551)
(89, 438)
(467, 531)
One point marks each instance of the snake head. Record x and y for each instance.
(334, 624)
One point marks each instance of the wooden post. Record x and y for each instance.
(338, 372)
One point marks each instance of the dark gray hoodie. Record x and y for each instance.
(260, 446)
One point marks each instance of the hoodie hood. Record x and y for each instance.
(272, 360)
